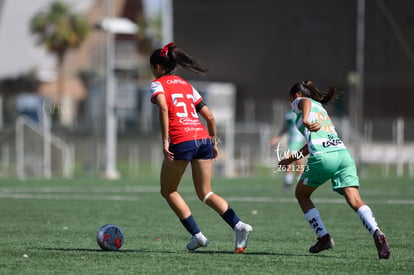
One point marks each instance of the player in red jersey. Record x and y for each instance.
(186, 140)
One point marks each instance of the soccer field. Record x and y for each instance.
(54, 222)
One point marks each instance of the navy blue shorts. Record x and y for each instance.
(193, 149)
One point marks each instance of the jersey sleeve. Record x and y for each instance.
(156, 89)
(196, 96)
(295, 105)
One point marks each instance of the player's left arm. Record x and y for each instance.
(163, 117)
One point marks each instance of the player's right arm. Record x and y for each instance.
(305, 105)
(211, 127)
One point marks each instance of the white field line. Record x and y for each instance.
(317, 200)
(70, 193)
(106, 189)
(54, 193)
(67, 197)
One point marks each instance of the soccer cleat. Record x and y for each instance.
(239, 250)
(242, 231)
(196, 241)
(382, 245)
(323, 243)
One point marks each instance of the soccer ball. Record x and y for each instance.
(110, 237)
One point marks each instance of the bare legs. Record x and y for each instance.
(201, 170)
(353, 198)
(303, 193)
(171, 174)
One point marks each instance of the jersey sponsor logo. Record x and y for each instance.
(193, 129)
(189, 121)
(175, 81)
(331, 142)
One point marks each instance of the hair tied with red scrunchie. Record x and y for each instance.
(164, 50)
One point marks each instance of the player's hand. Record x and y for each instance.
(167, 154)
(312, 126)
(274, 141)
(215, 152)
(286, 161)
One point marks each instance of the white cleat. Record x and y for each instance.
(242, 231)
(196, 241)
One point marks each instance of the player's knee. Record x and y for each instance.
(301, 193)
(163, 194)
(299, 198)
(166, 194)
(298, 194)
(302, 197)
(205, 196)
(355, 203)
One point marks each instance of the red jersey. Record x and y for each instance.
(181, 97)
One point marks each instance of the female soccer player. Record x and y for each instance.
(329, 159)
(295, 142)
(185, 140)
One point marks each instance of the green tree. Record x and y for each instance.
(59, 30)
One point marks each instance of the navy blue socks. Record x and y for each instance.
(191, 225)
(230, 217)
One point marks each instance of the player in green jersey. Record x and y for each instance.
(329, 159)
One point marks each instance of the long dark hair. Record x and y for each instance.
(170, 56)
(308, 89)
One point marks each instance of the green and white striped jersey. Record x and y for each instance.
(326, 139)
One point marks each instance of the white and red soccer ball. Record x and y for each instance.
(110, 237)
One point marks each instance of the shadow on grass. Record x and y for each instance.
(101, 251)
(257, 253)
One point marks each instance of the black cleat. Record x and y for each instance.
(382, 245)
(323, 243)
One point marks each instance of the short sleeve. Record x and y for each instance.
(156, 89)
(196, 96)
(295, 105)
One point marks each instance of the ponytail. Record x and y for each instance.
(170, 56)
(308, 89)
